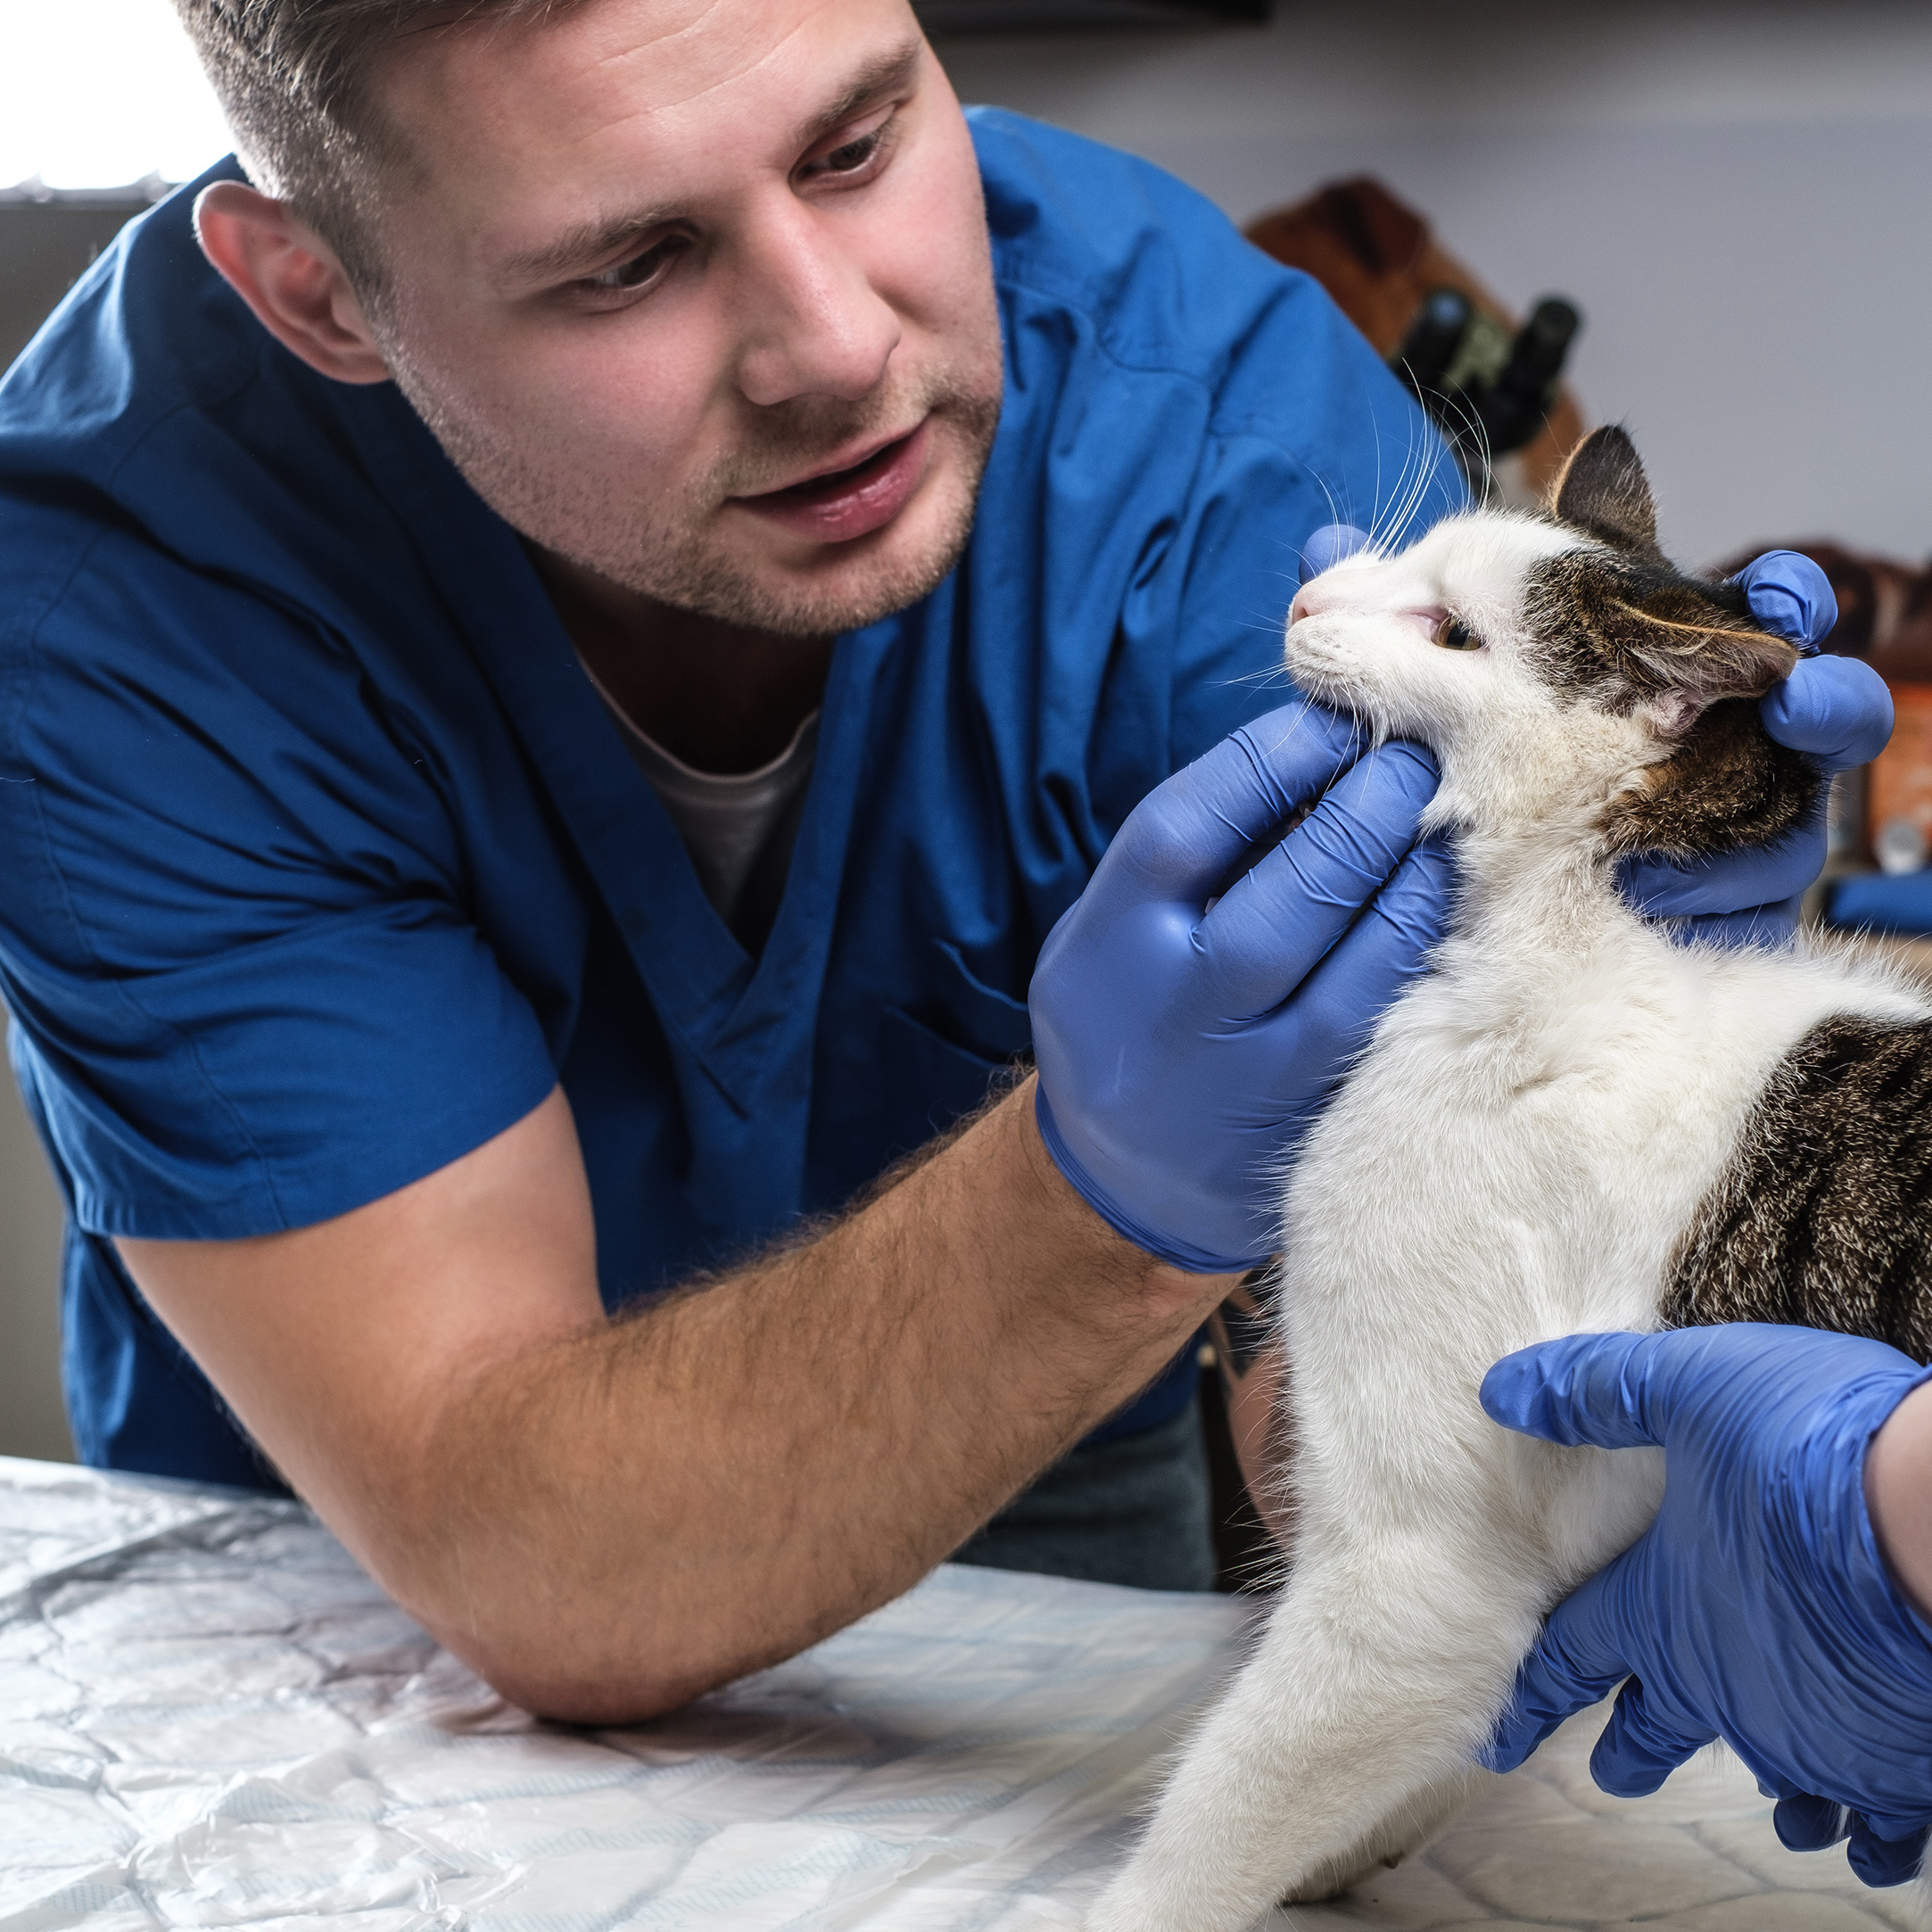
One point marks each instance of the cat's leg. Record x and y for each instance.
(1414, 1822)
(1375, 1682)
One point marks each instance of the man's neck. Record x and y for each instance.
(717, 696)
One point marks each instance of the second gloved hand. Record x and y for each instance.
(1757, 1607)
(1184, 1040)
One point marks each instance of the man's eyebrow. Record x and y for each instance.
(879, 74)
(590, 241)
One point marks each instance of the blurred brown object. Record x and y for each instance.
(1898, 802)
(1376, 257)
(1885, 607)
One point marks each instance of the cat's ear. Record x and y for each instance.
(1604, 493)
(1694, 668)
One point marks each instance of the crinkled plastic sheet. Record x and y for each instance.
(209, 1716)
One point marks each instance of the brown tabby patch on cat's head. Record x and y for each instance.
(1622, 629)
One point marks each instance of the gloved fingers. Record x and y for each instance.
(1641, 1746)
(1789, 594)
(1335, 1010)
(1758, 925)
(1328, 546)
(1739, 881)
(1836, 709)
(1576, 1661)
(1809, 1823)
(1274, 925)
(1881, 1861)
(1312, 1040)
(1188, 834)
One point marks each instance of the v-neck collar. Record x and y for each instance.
(745, 1022)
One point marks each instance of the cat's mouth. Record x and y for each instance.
(1306, 661)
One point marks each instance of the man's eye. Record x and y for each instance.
(640, 269)
(1454, 635)
(856, 156)
(853, 156)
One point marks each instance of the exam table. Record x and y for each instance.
(209, 1716)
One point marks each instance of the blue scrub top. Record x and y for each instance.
(321, 863)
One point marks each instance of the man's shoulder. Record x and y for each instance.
(1160, 276)
(149, 329)
(154, 435)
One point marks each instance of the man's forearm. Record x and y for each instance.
(1248, 1359)
(629, 1517)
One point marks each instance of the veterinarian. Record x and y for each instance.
(568, 634)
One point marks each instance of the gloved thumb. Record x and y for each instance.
(1331, 543)
(1641, 1746)
(1578, 1388)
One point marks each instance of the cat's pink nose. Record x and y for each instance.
(1310, 602)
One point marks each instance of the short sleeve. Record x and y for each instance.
(233, 924)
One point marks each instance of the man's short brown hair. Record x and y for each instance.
(291, 78)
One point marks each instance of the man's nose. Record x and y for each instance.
(813, 324)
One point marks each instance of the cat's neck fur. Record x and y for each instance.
(1535, 869)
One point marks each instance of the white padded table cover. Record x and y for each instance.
(209, 1716)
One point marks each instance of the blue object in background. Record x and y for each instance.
(1882, 902)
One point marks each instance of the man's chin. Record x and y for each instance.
(814, 603)
(823, 589)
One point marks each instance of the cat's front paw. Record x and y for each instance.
(1150, 1901)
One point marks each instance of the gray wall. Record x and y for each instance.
(1736, 195)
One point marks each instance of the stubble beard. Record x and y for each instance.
(671, 553)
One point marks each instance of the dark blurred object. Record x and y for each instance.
(47, 241)
(1480, 373)
(1477, 380)
(1885, 607)
(953, 18)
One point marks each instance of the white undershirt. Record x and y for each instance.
(737, 826)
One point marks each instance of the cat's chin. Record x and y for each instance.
(1326, 685)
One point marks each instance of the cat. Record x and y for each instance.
(1571, 1123)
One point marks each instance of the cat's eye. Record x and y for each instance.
(1454, 635)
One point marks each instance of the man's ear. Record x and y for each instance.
(1604, 493)
(290, 278)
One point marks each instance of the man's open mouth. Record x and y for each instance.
(839, 504)
(834, 481)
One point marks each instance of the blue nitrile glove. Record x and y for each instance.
(1836, 709)
(1184, 1046)
(1756, 1608)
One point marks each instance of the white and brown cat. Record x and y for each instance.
(1571, 1123)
